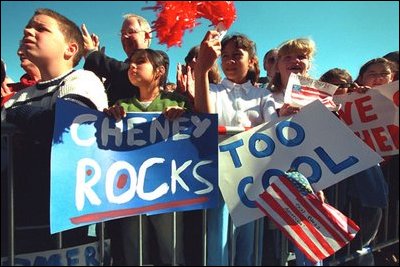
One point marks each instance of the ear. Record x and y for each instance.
(71, 49)
(147, 37)
(392, 76)
(160, 71)
(251, 62)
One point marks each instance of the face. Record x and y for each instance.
(141, 72)
(293, 63)
(376, 74)
(235, 63)
(133, 37)
(269, 63)
(43, 41)
(26, 64)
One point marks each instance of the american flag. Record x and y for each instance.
(303, 95)
(316, 228)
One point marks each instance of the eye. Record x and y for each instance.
(301, 57)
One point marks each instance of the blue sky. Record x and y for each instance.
(347, 34)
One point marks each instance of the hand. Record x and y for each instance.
(171, 113)
(287, 110)
(185, 81)
(361, 89)
(90, 42)
(321, 195)
(210, 50)
(115, 111)
(5, 90)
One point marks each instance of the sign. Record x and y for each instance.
(144, 164)
(84, 255)
(314, 141)
(301, 91)
(374, 117)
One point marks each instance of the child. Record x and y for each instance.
(148, 71)
(369, 189)
(55, 45)
(294, 56)
(238, 103)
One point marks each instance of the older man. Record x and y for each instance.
(135, 34)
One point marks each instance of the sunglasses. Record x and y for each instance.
(345, 85)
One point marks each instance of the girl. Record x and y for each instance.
(238, 103)
(294, 56)
(148, 71)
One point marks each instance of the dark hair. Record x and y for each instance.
(157, 58)
(380, 60)
(69, 29)
(336, 73)
(243, 42)
(273, 50)
(3, 72)
(193, 52)
(392, 56)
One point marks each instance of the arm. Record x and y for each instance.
(90, 42)
(210, 49)
(104, 66)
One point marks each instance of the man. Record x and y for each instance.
(269, 65)
(135, 34)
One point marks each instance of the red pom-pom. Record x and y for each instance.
(175, 17)
(173, 20)
(217, 11)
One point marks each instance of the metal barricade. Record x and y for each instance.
(387, 236)
(8, 132)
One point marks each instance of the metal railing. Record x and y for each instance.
(383, 240)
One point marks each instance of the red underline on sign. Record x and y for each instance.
(99, 216)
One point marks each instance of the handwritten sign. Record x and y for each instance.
(144, 164)
(374, 117)
(314, 141)
(83, 255)
(301, 91)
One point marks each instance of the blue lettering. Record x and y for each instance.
(316, 169)
(232, 151)
(241, 187)
(268, 174)
(267, 151)
(90, 256)
(71, 261)
(333, 167)
(54, 260)
(300, 135)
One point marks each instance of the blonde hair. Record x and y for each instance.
(301, 45)
(304, 46)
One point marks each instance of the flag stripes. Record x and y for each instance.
(307, 94)
(305, 221)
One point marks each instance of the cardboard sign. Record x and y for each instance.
(144, 164)
(314, 141)
(374, 117)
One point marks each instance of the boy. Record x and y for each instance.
(55, 45)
